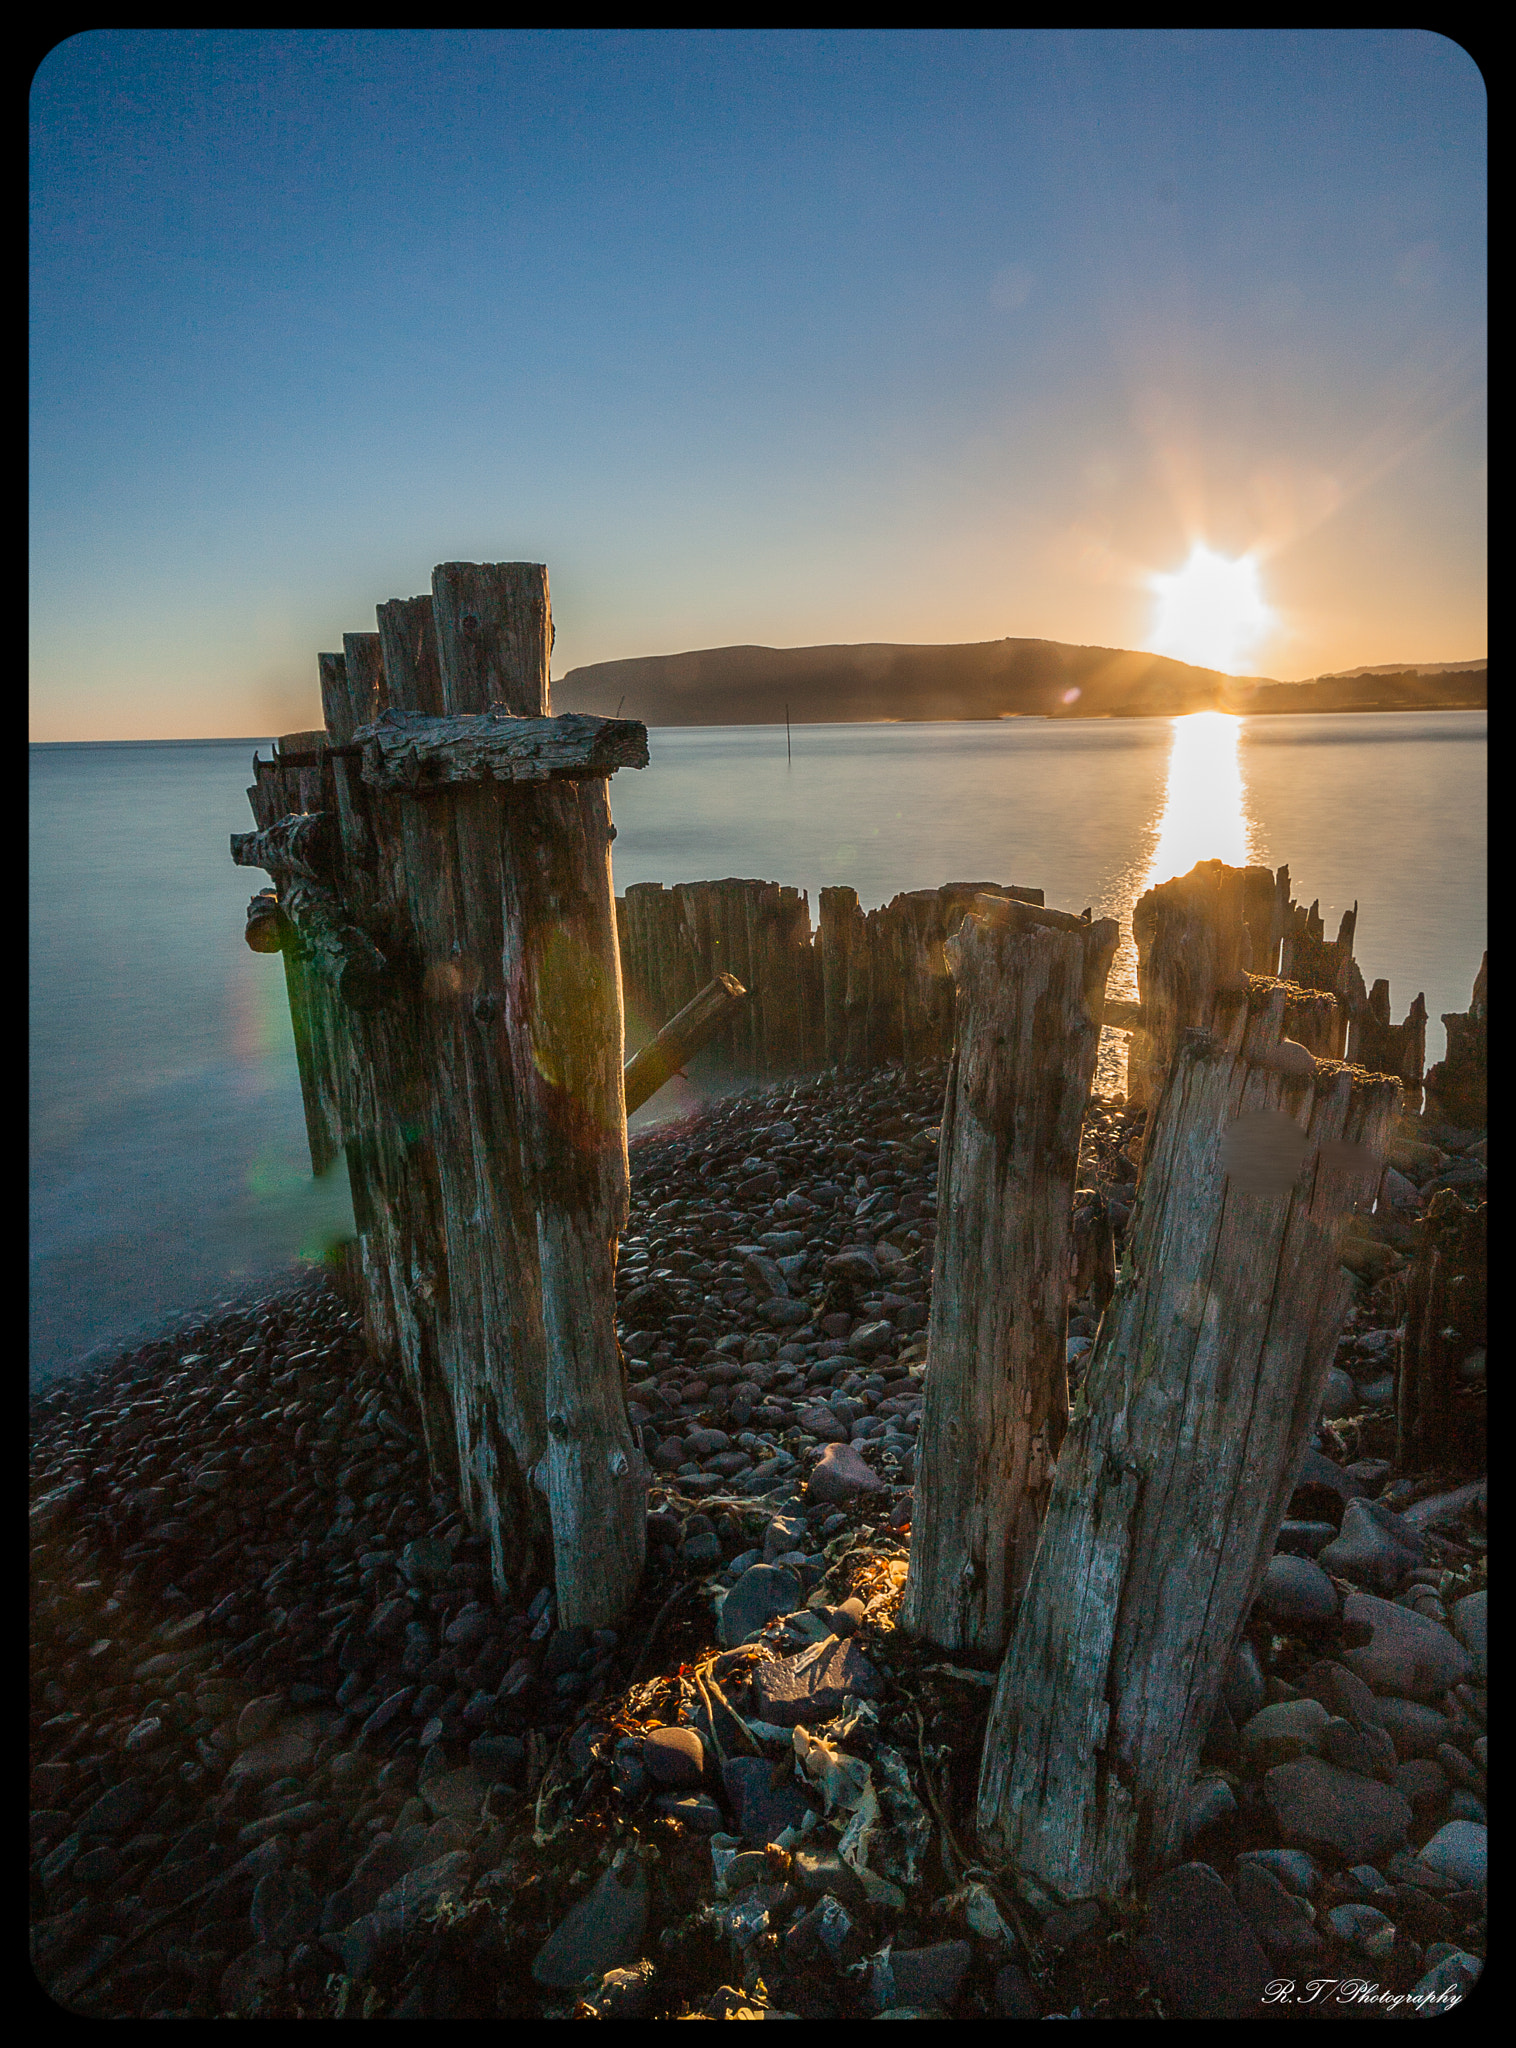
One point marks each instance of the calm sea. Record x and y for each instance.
(168, 1161)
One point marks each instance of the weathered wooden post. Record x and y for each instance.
(1312, 960)
(1446, 1318)
(460, 996)
(1381, 1047)
(1204, 1386)
(1194, 935)
(1457, 1088)
(1030, 984)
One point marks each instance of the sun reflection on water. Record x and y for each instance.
(1204, 814)
(1204, 817)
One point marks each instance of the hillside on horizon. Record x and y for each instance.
(883, 680)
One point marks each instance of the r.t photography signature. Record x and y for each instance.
(1351, 1991)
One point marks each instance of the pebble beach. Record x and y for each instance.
(292, 1755)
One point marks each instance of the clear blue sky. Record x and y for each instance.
(776, 337)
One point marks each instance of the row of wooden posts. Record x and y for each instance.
(443, 903)
(865, 989)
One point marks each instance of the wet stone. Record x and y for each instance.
(1295, 1870)
(1368, 1752)
(456, 1795)
(1407, 1653)
(1210, 1802)
(763, 1808)
(564, 1650)
(1242, 1688)
(1204, 1958)
(426, 1562)
(1296, 1592)
(290, 1751)
(1469, 1626)
(1375, 1548)
(1363, 1928)
(285, 1908)
(1274, 1913)
(1416, 1729)
(694, 1810)
(1331, 1812)
(118, 1809)
(1289, 1729)
(925, 1976)
(840, 1474)
(1015, 1998)
(674, 1756)
(1459, 1851)
(813, 1685)
(250, 1976)
(97, 1868)
(763, 1592)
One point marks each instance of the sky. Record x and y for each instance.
(774, 337)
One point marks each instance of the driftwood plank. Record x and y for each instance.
(1204, 1385)
(527, 1023)
(352, 812)
(495, 620)
(413, 755)
(265, 926)
(680, 1039)
(1030, 983)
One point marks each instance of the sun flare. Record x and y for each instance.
(1211, 612)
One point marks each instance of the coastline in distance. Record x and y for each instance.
(977, 680)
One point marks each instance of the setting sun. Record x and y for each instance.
(1210, 612)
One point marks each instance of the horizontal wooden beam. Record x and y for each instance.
(304, 843)
(407, 755)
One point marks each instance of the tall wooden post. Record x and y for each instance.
(1182, 1449)
(456, 995)
(542, 978)
(1030, 987)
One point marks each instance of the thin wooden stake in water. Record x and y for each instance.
(787, 754)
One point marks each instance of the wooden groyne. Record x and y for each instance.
(1195, 935)
(863, 989)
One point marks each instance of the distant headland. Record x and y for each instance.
(979, 679)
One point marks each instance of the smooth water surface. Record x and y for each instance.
(168, 1141)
